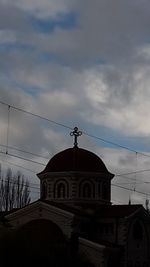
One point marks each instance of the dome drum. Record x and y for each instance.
(76, 176)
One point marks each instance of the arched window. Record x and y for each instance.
(87, 190)
(61, 190)
(44, 190)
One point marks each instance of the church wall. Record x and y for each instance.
(113, 238)
(57, 216)
(100, 255)
(122, 232)
(137, 246)
(106, 230)
(148, 236)
(92, 251)
(112, 230)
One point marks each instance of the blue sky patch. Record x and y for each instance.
(136, 143)
(63, 21)
(48, 57)
(6, 47)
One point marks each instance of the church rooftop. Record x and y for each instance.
(75, 159)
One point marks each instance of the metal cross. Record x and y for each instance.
(76, 133)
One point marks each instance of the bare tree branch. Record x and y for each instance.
(14, 191)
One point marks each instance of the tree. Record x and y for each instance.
(14, 191)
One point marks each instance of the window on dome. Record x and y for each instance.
(61, 190)
(87, 191)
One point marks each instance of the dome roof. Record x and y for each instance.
(75, 159)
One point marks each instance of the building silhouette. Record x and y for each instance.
(74, 222)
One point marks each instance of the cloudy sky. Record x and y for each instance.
(77, 62)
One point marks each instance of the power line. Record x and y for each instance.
(70, 128)
(32, 161)
(16, 165)
(129, 189)
(28, 180)
(12, 181)
(129, 178)
(20, 150)
(132, 183)
(115, 185)
(36, 115)
(128, 173)
(23, 151)
(116, 175)
(12, 155)
(117, 201)
(115, 144)
(119, 186)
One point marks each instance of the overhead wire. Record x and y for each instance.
(12, 181)
(71, 128)
(17, 165)
(115, 185)
(129, 189)
(119, 186)
(68, 127)
(116, 175)
(36, 115)
(16, 156)
(23, 151)
(133, 172)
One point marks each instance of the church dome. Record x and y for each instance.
(75, 159)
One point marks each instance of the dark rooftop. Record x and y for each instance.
(99, 211)
(75, 159)
(116, 211)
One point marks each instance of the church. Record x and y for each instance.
(74, 222)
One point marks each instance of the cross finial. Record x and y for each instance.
(76, 133)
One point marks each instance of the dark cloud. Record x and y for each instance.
(109, 31)
(12, 18)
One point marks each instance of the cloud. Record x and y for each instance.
(40, 9)
(115, 106)
(107, 32)
(12, 18)
(124, 165)
(7, 37)
(101, 95)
